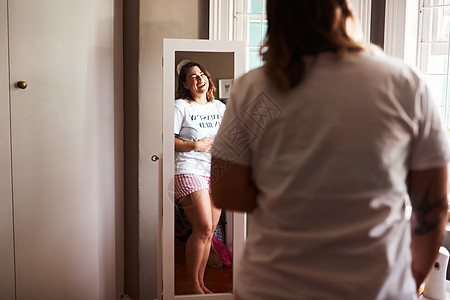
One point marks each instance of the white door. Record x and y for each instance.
(62, 141)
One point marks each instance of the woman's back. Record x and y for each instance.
(339, 145)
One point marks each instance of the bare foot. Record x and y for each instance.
(206, 290)
(194, 288)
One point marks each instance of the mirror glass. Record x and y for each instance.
(218, 276)
(224, 60)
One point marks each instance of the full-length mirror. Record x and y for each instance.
(201, 64)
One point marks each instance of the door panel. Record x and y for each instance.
(63, 148)
(6, 222)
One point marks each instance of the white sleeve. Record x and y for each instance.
(430, 145)
(232, 142)
(178, 119)
(223, 108)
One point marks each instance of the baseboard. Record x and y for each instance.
(125, 297)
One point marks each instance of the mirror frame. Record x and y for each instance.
(167, 250)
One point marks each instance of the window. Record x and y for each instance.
(240, 20)
(419, 33)
(250, 25)
(433, 55)
(246, 20)
(433, 51)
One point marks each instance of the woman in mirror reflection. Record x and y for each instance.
(322, 146)
(197, 120)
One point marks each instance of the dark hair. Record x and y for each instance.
(300, 28)
(183, 92)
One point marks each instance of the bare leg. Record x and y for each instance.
(197, 207)
(215, 213)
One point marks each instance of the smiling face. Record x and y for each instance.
(193, 82)
(196, 82)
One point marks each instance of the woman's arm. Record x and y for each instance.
(202, 145)
(232, 186)
(428, 194)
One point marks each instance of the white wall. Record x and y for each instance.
(158, 20)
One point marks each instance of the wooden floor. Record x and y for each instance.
(218, 280)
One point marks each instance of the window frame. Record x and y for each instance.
(400, 40)
(363, 10)
(224, 23)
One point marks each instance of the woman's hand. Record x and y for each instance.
(224, 175)
(204, 145)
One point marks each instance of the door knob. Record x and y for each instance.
(22, 85)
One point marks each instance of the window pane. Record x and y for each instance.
(435, 2)
(447, 123)
(436, 24)
(264, 33)
(445, 111)
(250, 25)
(438, 88)
(256, 6)
(434, 58)
(254, 60)
(255, 33)
(442, 114)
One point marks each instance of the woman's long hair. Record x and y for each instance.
(183, 93)
(304, 28)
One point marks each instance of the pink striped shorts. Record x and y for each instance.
(186, 184)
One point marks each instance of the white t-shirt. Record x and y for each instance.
(330, 159)
(193, 122)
